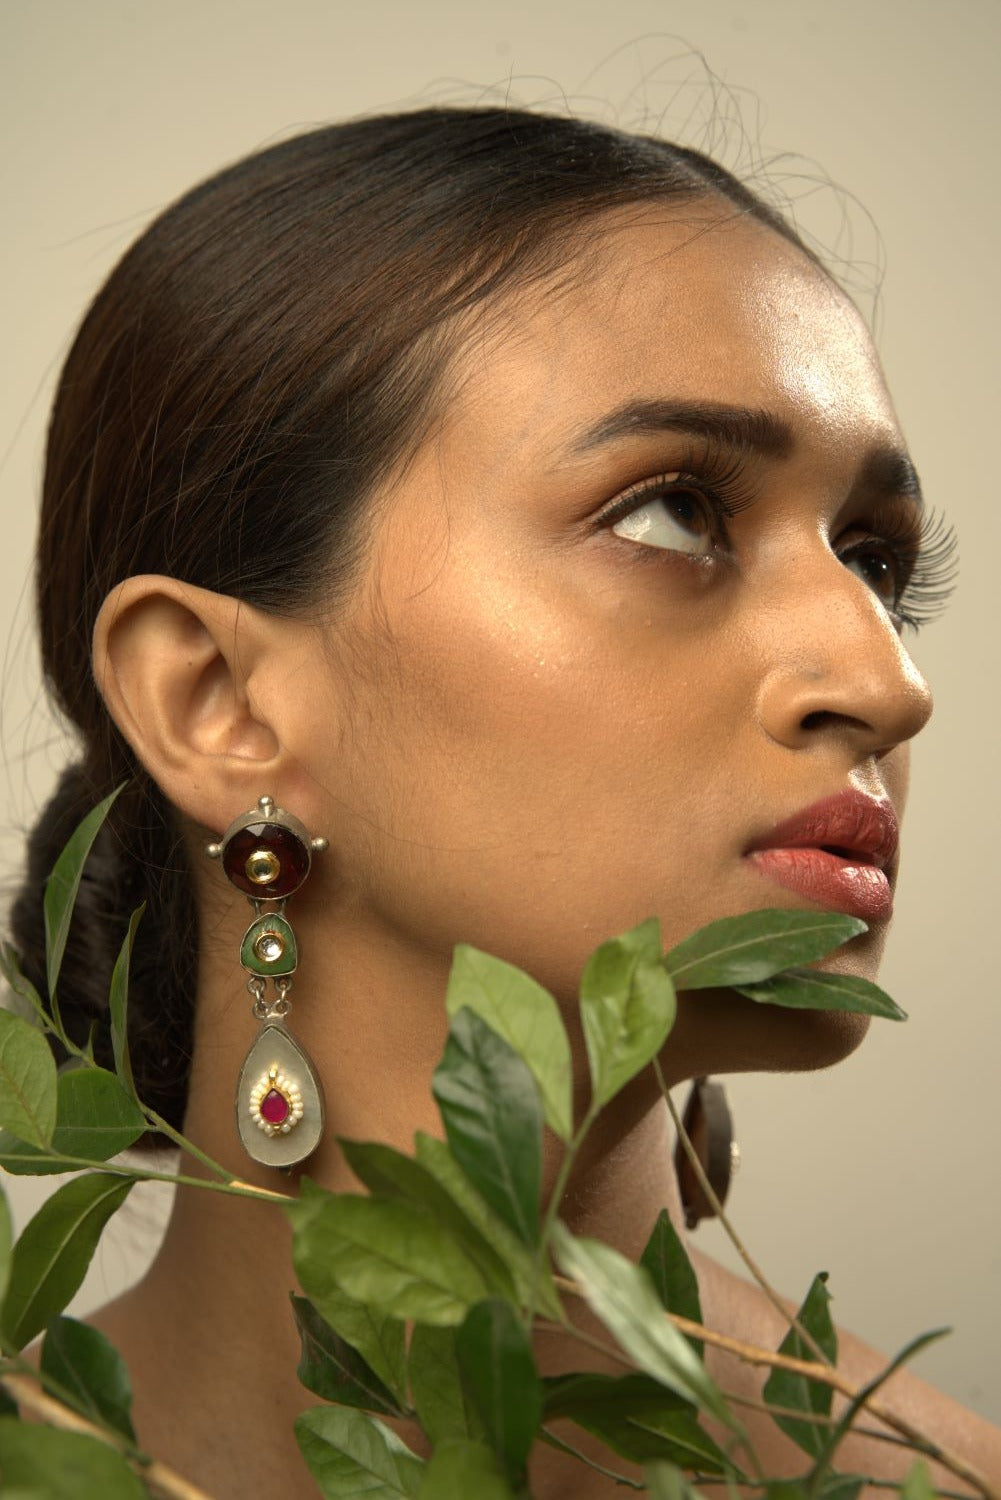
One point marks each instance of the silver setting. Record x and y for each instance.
(266, 811)
(276, 1049)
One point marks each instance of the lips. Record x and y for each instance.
(835, 853)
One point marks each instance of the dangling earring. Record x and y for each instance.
(708, 1124)
(266, 854)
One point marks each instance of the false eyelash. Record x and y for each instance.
(720, 477)
(928, 547)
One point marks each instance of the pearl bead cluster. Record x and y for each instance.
(274, 1086)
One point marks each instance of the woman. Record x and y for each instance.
(520, 505)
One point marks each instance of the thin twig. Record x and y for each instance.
(817, 1418)
(158, 1476)
(235, 1186)
(826, 1375)
(737, 1242)
(562, 1445)
(879, 1484)
(183, 1144)
(545, 1326)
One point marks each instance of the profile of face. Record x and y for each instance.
(635, 601)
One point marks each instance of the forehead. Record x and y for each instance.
(689, 303)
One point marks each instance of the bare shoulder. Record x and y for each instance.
(730, 1303)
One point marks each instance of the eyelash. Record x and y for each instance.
(926, 549)
(923, 546)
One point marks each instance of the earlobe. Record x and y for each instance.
(175, 666)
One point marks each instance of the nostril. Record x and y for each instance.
(823, 718)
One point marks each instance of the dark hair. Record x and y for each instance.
(252, 368)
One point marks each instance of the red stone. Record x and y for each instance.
(274, 1108)
(292, 854)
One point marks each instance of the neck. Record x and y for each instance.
(209, 1334)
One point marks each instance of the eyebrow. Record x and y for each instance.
(734, 426)
(887, 470)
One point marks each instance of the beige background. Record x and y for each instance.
(884, 1171)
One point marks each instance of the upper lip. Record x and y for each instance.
(849, 823)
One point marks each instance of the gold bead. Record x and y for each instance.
(262, 867)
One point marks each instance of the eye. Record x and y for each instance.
(909, 560)
(670, 513)
(878, 566)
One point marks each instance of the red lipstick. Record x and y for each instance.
(834, 853)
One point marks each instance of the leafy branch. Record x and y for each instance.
(421, 1297)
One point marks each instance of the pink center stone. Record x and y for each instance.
(274, 1107)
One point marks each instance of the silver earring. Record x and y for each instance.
(266, 854)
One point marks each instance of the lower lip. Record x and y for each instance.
(836, 883)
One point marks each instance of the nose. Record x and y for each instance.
(836, 669)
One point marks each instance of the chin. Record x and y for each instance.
(719, 1031)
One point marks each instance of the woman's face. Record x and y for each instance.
(611, 630)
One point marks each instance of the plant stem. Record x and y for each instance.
(563, 1446)
(586, 1338)
(738, 1244)
(156, 1475)
(823, 1373)
(879, 1484)
(556, 1196)
(235, 1187)
(188, 1147)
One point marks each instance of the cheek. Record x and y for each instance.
(538, 771)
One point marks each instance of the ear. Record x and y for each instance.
(176, 666)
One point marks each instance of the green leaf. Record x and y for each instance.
(51, 1258)
(118, 998)
(464, 1470)
(387, 1173)
(392, 1253)
(492, 1113)
(638, 1419)
(752, 947)
(443, 1404)
(796, 1392)
(63, 884)
(665, 1481)
(498, 1370)
(581, 1391)
(622, 1295)
(377, 1339)
(526, 1016)
(95, 1119)
(840, 1487)
(331, 1368)
(8, 1408)
(627, 1007)
(10, 968)
(92, 1373)
(673, 1276)
(350, 1454)
(6, 1244)
(817, 1475)
(814, 989)
(27, 1082)
(918, 1485)
(531, 1286)
(62, 1465)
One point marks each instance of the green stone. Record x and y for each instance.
(269, 948)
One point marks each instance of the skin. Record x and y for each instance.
(528, 732)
